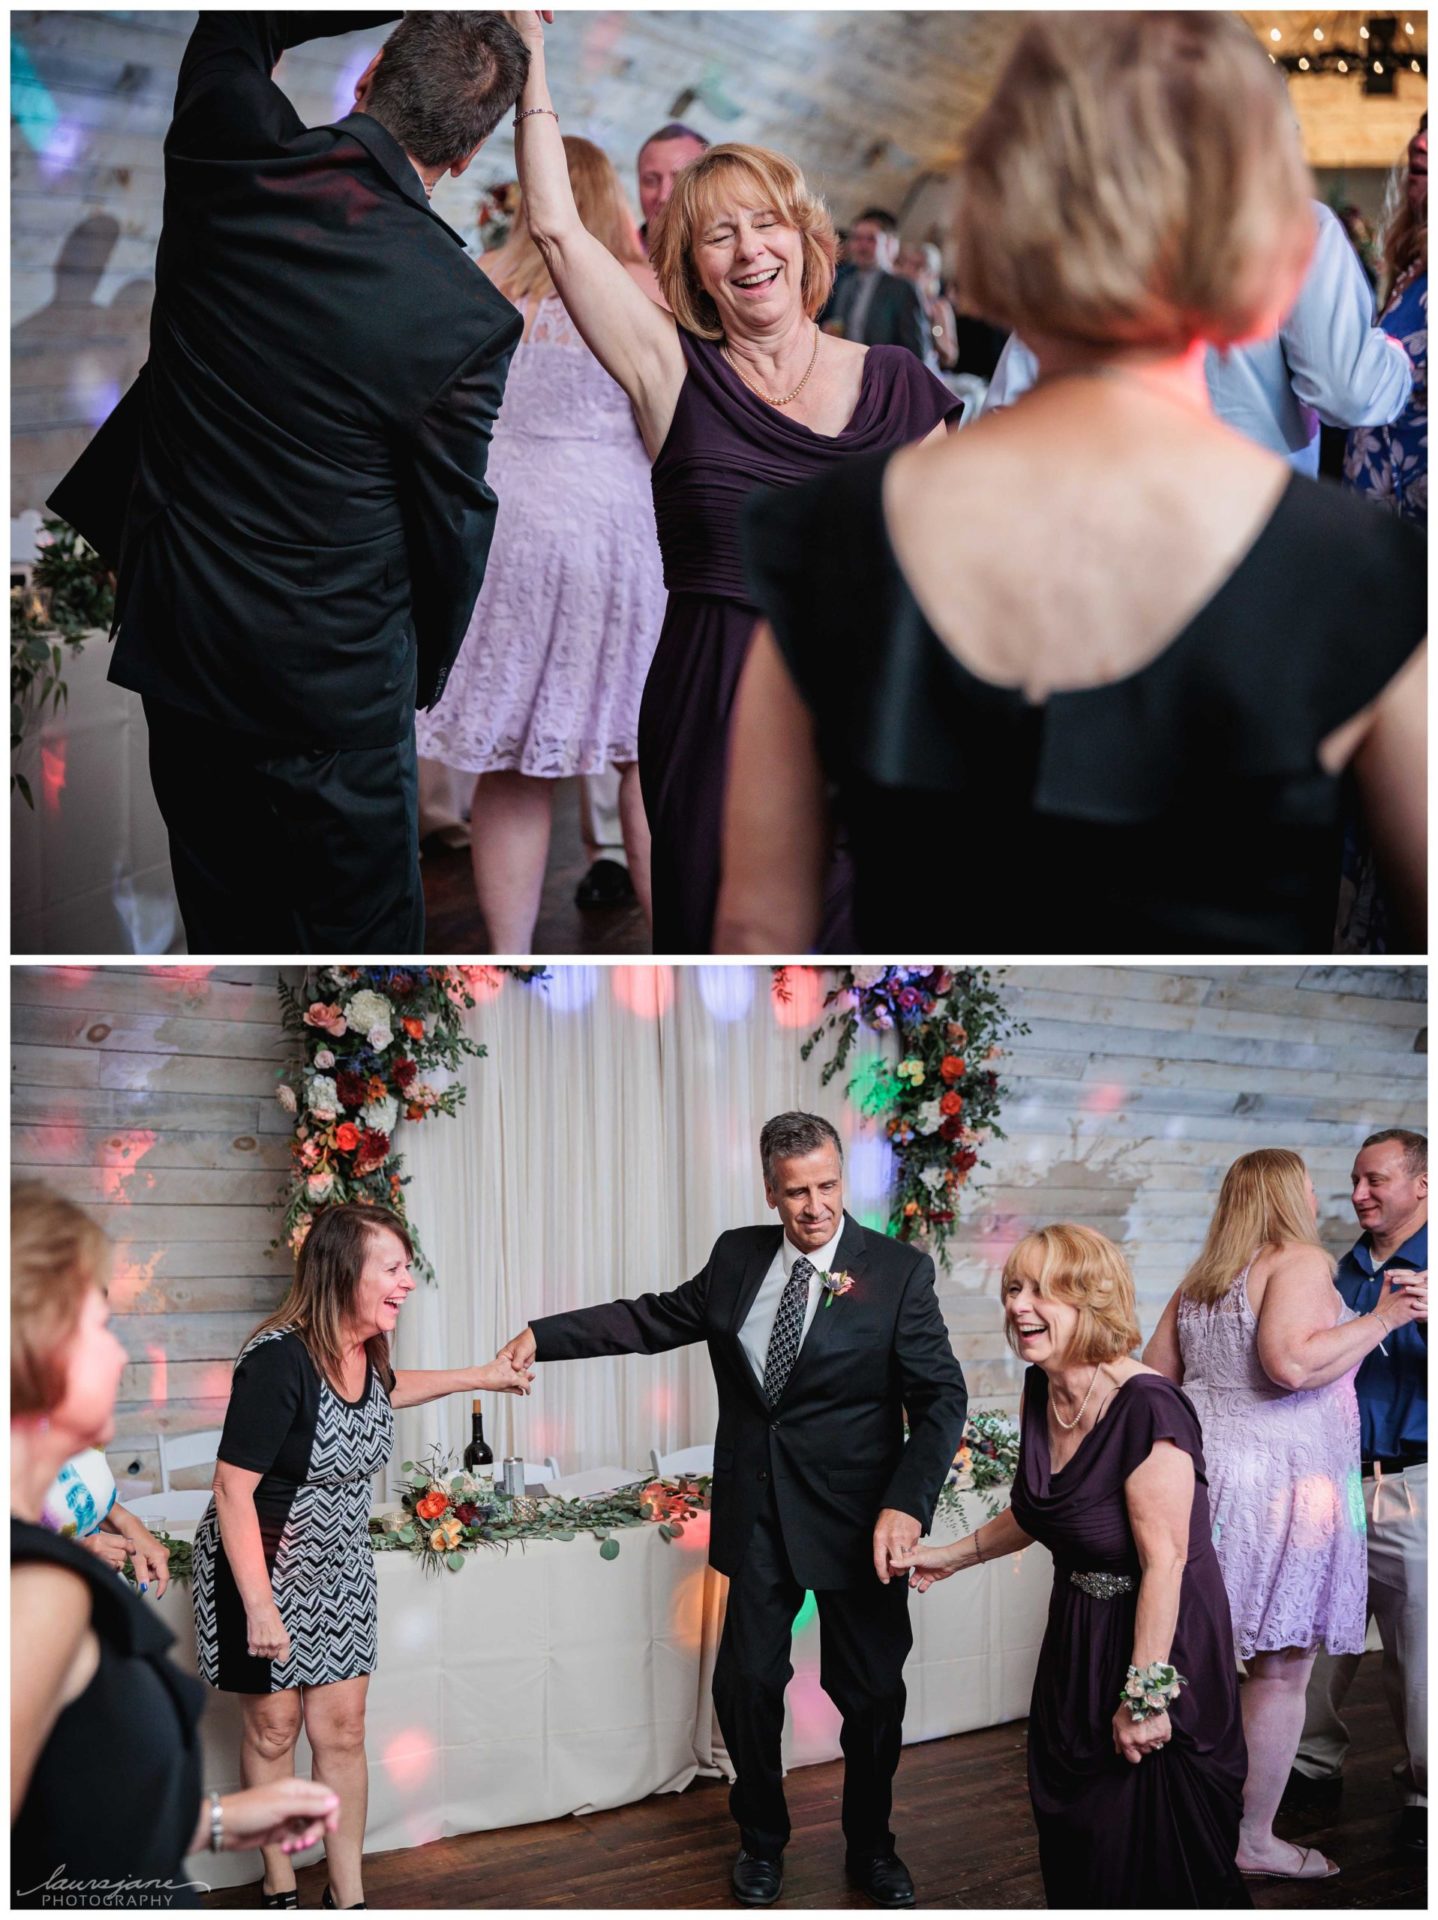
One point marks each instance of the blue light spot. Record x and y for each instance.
(870, 1168)
(569, 989)
(31, 107)
(728, 992)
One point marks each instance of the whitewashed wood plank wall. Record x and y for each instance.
(147, 1095)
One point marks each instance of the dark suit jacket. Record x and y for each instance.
(833, 1448)
(895, 317)
(299, 472)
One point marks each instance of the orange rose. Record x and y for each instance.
(414, 1028)
(952, 1067)
(432, 1505)
(951, 1103)
(347, 1137)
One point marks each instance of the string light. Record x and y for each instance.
(1274, 34)
(1318, 33)
(1302, 65)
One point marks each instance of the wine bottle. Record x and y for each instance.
(478, 1455)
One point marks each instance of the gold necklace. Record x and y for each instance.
(1069, 1425)
(784, 398)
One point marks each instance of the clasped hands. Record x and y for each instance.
(512, 1368)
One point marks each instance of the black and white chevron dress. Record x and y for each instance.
(316, 1454)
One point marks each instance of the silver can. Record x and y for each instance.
(512, 1478)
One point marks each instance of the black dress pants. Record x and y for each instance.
(283, 850)
(864, 1638)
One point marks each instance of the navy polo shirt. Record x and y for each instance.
(1392, 1387)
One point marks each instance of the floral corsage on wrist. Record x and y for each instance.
(835, 1285)
(1151, 1690)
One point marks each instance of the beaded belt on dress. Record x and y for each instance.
(1104, 1586)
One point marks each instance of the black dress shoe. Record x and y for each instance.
(607, 884)
(884, 1877)
(756, 1883)
(329, 1901)
(1413, 1829)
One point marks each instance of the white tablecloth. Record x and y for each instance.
(547, 1681)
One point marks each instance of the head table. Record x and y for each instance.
(544, 1680)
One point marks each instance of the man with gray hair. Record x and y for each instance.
(824, 1337)
(1390, 1198)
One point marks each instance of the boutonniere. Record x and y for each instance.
(835, 1286)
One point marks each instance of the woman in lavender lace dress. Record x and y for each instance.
(549, 678)
(1262, 1344)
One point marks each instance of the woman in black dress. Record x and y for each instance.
(105, 1784)
(1131, 1812)
(284, 1578)
(1091, 674)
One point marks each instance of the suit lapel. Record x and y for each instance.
(848, 1258)
(750, 1280)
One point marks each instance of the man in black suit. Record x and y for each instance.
(296, 482)
(814, 1484)
(870, 302)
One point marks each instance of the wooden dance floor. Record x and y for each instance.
(961, 1814)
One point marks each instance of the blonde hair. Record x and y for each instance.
(1081, 1268)
(517, 267)
(766, 179)
(57, 1253)
(1405, 226)
(319, 1306)
(1263, 1202)
(1137, 179)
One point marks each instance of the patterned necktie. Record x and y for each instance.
(788, 1328)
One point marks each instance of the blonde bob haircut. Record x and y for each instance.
(57, 1254)
(1082, 1269)
(1137, 180)
(1263, 1202)
(756, 177)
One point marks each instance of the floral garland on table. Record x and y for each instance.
(364, 1040)
(944, 1094)
(446, 1514)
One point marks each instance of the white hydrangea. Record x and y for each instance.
(382, 1114)
(932, 1177)
(322, 1097)
(928, 1116)
(868, 976)
(368, 1010)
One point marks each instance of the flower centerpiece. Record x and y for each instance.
(987, 1460)
(938, 1104)
(366, 1041)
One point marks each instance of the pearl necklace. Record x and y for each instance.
(783, 399)
(1069, 1425)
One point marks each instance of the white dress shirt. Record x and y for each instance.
(758, 1327)
(1329, 361)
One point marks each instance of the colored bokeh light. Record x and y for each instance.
(799, 1000)
(570, 989)
(727, 992)
(646, 992)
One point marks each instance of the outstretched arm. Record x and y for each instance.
(415, 1386)
(230, 49)
(635, 341)
(652, 1323)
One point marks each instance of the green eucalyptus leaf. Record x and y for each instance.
(609, 1550)
(454, 1561)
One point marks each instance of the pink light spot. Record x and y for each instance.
(119, 1157)
(408, 1758)
(647, 992)
(1107, 1097)
(130, 1280)
(160, 1361)
(695, 1537)
(485, 983)
(805, 997)
(52, 774)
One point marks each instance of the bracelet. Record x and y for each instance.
(217, 1822)
(528, 111)
(1150, 1690)
(978, 1550)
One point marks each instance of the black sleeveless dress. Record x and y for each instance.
(117, 1789)
(1112, 1835)
(1180, 809)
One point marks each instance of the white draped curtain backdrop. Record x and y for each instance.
(606, 1141)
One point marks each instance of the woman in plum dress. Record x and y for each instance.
(549, 678)
(1263, 1345)
(734, 389)
(1132, 1812)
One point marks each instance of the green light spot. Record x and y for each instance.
(809, 1611)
